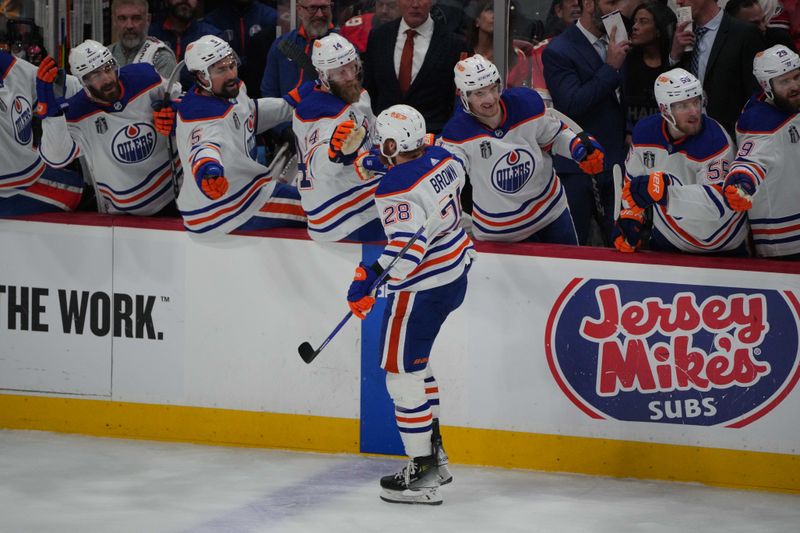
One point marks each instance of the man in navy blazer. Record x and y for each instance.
(583, 71)
(432, 90)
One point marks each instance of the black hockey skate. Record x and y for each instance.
(417, 482)
(445, 476)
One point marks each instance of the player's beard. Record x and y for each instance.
(109, 92)
(790, 104)
(349, 91)
(230, 89)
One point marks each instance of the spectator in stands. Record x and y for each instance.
(179, 28)
(524, 58)
(782, 15)
(283, 72)
(562, 13)
(480, 34)
(289, 60)
(410, 61)
(583, 71)
(130, 19)
(721, 57)
(249, 26)
(651, 40)
(751, 11)
(357, 29)
(27, 185)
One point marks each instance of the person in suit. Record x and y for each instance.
(751, 11)
(583, 71)
(721, 56)
(421, 56)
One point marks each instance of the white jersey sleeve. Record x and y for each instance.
(271, 112)
(60, 144)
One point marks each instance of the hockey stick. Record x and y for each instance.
(599, 211)
(170, 143)
(298, 55)
(307, 352)
(617, 173)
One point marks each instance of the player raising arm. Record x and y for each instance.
(227, 188)
(111, 123)
(505, 139)
(27, 185)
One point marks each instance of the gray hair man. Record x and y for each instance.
(130, 19)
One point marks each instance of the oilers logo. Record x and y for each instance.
(674, 353)
(512, 171)
(134, 143)
(250, 137)
(21, 115)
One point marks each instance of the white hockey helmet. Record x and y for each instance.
(473, 73)
(88, 57)
(674, 86)
(404, 125)
(204, 52)
(771, 63)
(331, 52)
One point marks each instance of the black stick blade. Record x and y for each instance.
(307, 352)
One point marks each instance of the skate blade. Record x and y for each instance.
(427, 496)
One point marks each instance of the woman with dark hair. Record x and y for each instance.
(480, 33)
(651, 37)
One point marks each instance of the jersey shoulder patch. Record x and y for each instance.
(196, 107)
(759, 117)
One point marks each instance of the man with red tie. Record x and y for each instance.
(420, 74)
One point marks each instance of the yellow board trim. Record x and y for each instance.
(583, 455)
(179, 423)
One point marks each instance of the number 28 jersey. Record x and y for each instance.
(425, 191)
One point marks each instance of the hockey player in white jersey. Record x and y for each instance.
(505, 139)
(677, 162)
(763, 179)
(111, 123)
(226, 188)
(27, 185)
(421, 189)
(331, 123)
